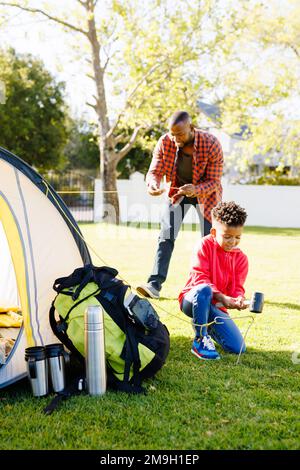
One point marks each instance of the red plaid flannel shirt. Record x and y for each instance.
(207, 169)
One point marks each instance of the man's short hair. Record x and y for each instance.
(179, 116)
(229, 213)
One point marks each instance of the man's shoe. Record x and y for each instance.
(204, 348)
(147, 290)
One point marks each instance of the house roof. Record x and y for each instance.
(212, 111)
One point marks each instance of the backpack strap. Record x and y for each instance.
(97, 291)
(130, 353)
(72, 280)
(59, 329)
(114, 384)
(132, 357)
(68, 392)
(104, 277)
(80, 277)
(87, 278)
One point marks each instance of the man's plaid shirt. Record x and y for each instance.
(207, 168)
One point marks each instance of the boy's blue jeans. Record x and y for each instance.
(171, 221)
(197, 304)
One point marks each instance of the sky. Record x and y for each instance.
(45, 40)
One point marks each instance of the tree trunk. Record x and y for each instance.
(107, 160)
(111, 210)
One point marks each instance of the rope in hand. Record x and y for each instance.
(159, 307)
(93, 192)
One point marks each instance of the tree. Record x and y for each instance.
(139, 157)
(33, 115)
(261, 73)
(81, 151)
(146, 50)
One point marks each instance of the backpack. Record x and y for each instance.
(136, 342)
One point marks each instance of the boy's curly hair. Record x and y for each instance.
(229, 213)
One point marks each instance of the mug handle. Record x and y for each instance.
(32, 368)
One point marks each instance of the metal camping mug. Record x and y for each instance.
(56, 359)
(94, 350)
(37, 370)
(257, 302)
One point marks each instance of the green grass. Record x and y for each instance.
(190, 404)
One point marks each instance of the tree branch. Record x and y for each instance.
(50, 17)
(121, 154)
(106, 64)
(107, 49)
(119, 138)
(131, 94)
(82, 3)
(90, 76)
(140, 82)
(295, 49)
(92, 105)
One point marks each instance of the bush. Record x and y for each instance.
(276, 180)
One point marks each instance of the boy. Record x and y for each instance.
(215, 284)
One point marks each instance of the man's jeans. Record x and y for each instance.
(170, 224)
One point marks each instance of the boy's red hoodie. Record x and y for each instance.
(224, 271)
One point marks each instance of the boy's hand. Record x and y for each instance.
(240, 302)
(225, 300)
(231, 302)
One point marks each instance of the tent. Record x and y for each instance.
(39, 242)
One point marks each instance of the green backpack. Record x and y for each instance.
(136, 342)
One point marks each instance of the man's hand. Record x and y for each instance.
(154, 190)
(187, 190)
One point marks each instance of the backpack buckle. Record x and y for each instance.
(141, 312)
(62, 326)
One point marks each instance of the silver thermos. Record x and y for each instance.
(94, 350)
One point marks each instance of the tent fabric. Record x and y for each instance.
(39, 242)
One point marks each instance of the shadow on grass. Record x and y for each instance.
(22, 389)
(283, 305)
(289, 232)
(266, 360)
(269, 364)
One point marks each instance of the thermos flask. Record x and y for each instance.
(37, 370)
(56, 360)
(94, 350)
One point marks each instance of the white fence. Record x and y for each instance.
(268, 206)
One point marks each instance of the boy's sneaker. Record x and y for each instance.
(204, 348)
(147, 290)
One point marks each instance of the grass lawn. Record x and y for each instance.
(190, 404)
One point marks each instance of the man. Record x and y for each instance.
(192, 161)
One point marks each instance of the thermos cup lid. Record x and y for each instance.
(36, 352)
(54, 350)
(93, 315)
